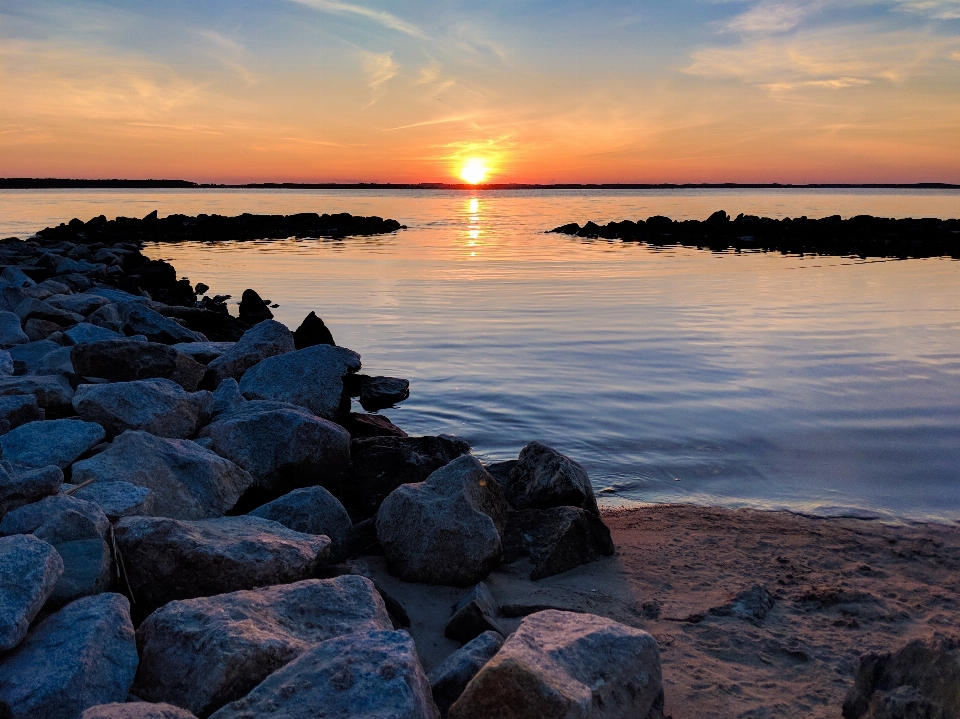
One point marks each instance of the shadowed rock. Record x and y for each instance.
(158, 406)
(312, 331)
(253, 309)
(556, 540)
(311, 510)
(544, 478)
(29, 570)
(58, 442)
(118, 499)
(20, 486)
(52, 392)
(265, 339)
(136, 710)
(473, 615)
(128, 360)
(449, 678)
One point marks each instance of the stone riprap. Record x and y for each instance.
(29, 570)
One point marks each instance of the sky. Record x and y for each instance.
(525, 90)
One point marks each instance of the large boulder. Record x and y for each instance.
(562, 664)
(86, 332)
(187, 481)
(311, 378)
(556, 539)
(20, 486)
(381, 464)
(311, 510)
(57, 441)
(52, 392)
(158, 406)
(312, 331)
(445, 530)
(544, 478)
(135, 318)
(227, 397)
(29, 570)
(127, 360)
(449, 678)
(283, 446)
(118, 499)
(81, 656)
(203, 653)
(11, 330)
(87, 570)
(363, 674)
(18, 409)
(80, 303)
(38, 309)
(265, 339)
(136, 710)
(168, 559)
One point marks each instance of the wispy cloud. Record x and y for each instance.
(771, 16)
(937, 9)
(379, 67)
(381, 17)
(228, 52)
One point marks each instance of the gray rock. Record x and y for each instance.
(31, 355)
(29, 570)
(56, 362)
(543, 478)
(168, 559)
(57, 441)
(562, 664)
(50, 391)
(141, 320)
(203, 352)
(364, 674)
(204, 653)
(53, 288)
(311, 510)
(55, 519)
(445, 530)
(11, 331)
(37, 330)
(16, 277)
(68, 266)
(110, 317)
(473, 615)
(227, 397)
(118, 499)
(82, 304)
(188, 481)
(311, 378)
(265, 339)
(129, 360)
(38, 309)
(117, 296)
(6, 363)
(449, 678)
(16, 410)
(282, 446)
(381, 464)
(20, 486)
(11, 297)
(382, 392)
(87, 570)
(136, 710)
(372, 425)
(86, 332)
(158, 406)
(81, 656)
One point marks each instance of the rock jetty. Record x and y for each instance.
(863, 235)
(188, 502)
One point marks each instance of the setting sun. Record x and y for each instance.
(474, 171)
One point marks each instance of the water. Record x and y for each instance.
(823, 385)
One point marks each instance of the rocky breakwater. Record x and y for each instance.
(863, 235)
(187, 502)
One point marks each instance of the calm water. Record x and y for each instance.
(822, 385)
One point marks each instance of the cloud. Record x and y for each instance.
(380, 17)
(770, 16)
(937, 9)
(228, 52)
(379, 68)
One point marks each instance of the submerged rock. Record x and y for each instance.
(29, 570)
(449, 678)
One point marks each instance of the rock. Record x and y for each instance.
(311, 510)
(382, 392)
(87, 570)
(445, 530)
(169, 559)
(203, 352)
(86, 332)
(312, 332)
(382, 464)
(253, 309)
(37, 330)
(81, 656)
(55, 519)
(11, 297)
(311, 378)
(20, 486)
(751, 605)
(282, 446)
(118, 499)
(16, 277)
(561, 664)
(473, 615)
(266, 339)
(449, 678)
(136, 710)
(158, 406)
(556, 540)
(80, 304)
(29, 570)
(68, 266)
(38, 309)
(58, 441)
(30, 356)
(363, 674)
(52, 392)
(204, 653)
(11, 332)
(6, 363)
(227, 397)
(543, 478)
(129, 360)
(920, 680)
(187, 481)
(212, 320)
(141, 320)
(371, 425)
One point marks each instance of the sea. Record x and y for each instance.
(821, 385)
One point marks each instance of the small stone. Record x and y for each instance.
(203, 352)
(81, 303)
(57, 519)
(751, 605)
(19, 409)
(38, 309)
(86, 332)
(372, 425)
(473, 615)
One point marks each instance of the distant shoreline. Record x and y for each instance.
(27, 183)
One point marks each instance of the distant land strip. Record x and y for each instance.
(28, 183)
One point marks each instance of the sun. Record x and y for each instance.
(474, 171)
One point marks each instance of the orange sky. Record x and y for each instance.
(322, 90)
